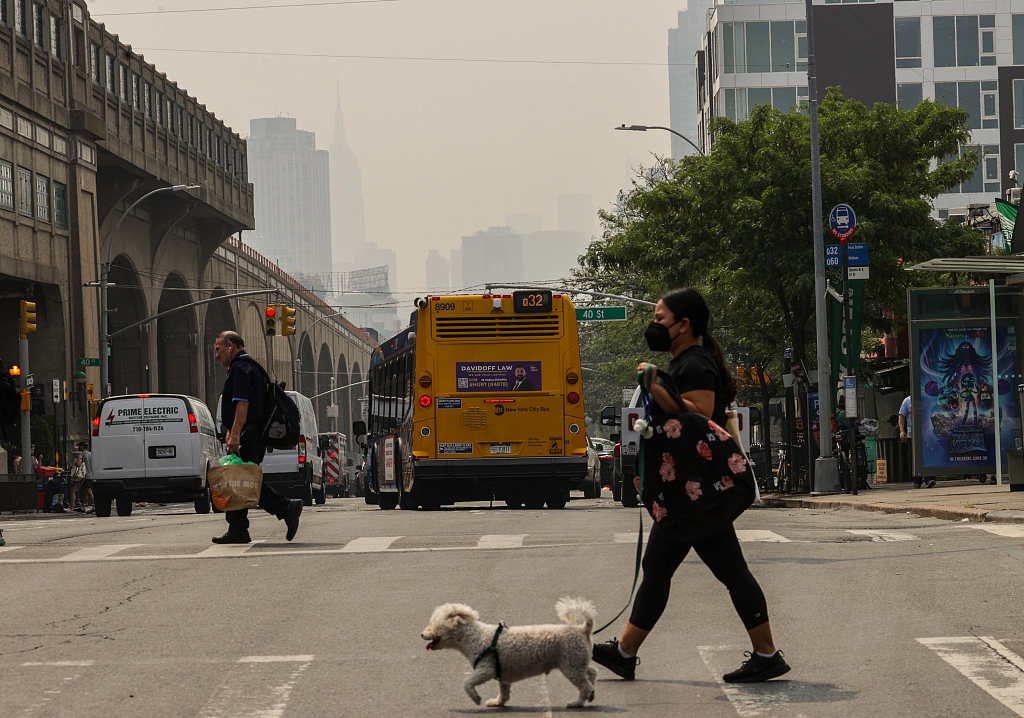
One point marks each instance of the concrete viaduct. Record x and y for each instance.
(87, 126)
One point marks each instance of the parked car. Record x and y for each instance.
(152, 447)
(606, 460)
(334, 450)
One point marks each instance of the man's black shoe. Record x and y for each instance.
(233, 538)
(291, 517)
(758, 668)
(607, 654)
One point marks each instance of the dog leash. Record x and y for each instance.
(643, 378)
(493, 648)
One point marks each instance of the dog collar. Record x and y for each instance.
(493, 648)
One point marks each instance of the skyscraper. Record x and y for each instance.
(347, 228)
(683, 43)
(439, 272)
(290, 178)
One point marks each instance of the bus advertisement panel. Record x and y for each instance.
(480, 398)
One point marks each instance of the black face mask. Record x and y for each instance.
(658, 337)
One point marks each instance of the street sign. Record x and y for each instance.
(842, 221)
(833, 257)
(88, 362)
(627, 394)
(600, 314)
(851, 397)
(858, 272)
(30, 381)
(787, 353)
(857, 255)
(56, 391)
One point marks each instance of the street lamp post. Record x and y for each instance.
(104, 275)
(644, 128)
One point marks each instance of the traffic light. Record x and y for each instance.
(271, 328)
(28, 318)
(287, 320)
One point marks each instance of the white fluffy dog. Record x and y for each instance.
(512, 654)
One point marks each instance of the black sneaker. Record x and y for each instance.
(758, 668)
(607, 654)
(931, 483)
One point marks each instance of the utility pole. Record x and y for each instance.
(28, 324)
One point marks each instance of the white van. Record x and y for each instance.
(299, 472)
(152, 447)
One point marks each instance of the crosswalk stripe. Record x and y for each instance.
(749, 700)
(628, 538)
(58, 663)
(501, 541)
(747, 536)
(276, 659)
(8, 548)
(1007, 530)
(884, 536)
(985, 662)
(223, 550)
(256, 688)
(368, 544)
(94, 553)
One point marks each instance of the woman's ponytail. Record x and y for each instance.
(712, 347)
(688, 302)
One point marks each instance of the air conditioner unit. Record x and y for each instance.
(1013, 195)
(957, 216)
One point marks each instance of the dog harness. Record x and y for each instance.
(493, 648)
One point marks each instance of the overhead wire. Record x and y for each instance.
(276, 6)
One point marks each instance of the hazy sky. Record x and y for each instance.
(445, 148)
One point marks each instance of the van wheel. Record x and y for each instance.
(588, 489)
(124, 506)
(616, 491)
(629, 497)
(534, 501)
(387, 501)
(103, 506)
(307, 494)
(320, 496)
(203, 503)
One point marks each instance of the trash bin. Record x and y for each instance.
(897, 454)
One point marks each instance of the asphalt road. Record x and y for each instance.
(879, 615)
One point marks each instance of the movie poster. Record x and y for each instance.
(956, 396)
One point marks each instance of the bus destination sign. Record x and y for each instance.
(532, 302)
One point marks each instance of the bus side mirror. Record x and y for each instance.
(755, 416)
(615, 437)
(610, 416)
(359, 428)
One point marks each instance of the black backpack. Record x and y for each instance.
(281, 428)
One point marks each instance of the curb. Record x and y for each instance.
(928, 511)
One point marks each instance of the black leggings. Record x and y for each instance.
(721, 553)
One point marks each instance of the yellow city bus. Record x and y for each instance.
(480, 398)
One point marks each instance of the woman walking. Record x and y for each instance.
(701, 379)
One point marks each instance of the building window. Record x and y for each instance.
(124, 84)
(94, 63)
(25, 128)
(38, 30)
(86, 153)
(990, 105)
(159, 108)
(909, 95)
(60, 205)
(764, 46)
(6, 118)
(77, 13)
(3, 12)
(965, 95)
(908, 42)
(21, 17)
(111, 76)
(60, 145)
(56, 33)
(6, 185)
(1017, 22)
(24, 192)
(42, 198)
(192, 130)
(964, 40)
(149, 101)
(181, 123)
(43, 137)
(136, 92)
(739, 102)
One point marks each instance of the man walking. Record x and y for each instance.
(906, 432)
(242, 407)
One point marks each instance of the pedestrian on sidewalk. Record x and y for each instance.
(84, 464)
(242, 406)
(906, 434)
(706, 386)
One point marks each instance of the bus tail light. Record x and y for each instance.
(572, 377)
(573, 397)
(192, 427)
(425, 401)
(425, 380)
(302, 449)
(617, 452)
(498, 401)
(96, 426)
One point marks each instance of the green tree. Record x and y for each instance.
(737, 224)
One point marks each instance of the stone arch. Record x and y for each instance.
(324, 372)
(219, 318)
(307, 377)
(343, 397)
(252, 332)
(129, 352)
(177, 335)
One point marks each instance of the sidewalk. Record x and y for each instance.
(951, 500)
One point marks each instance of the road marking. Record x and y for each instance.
(8, 548)
(748, 536)
(59, 663)
(501, 541)
(629, 538)
(884, 536)
(750, 700)
(987, 663)
(1007, 530)
(255, 688)
(94, 553)
(547, 695)
(226, 550)
(369, 544)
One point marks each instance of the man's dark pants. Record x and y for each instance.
(251, 449)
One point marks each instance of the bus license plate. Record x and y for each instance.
(629, 449)
(501, 448)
